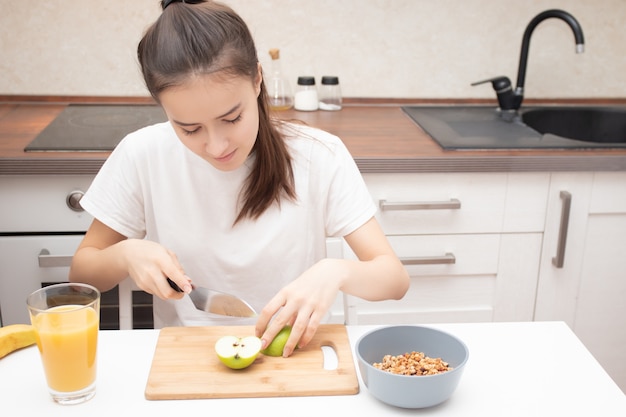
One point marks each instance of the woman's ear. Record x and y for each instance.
(258, 79)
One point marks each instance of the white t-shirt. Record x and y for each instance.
(154, 187)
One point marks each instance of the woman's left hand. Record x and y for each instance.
(302, 304)
(377, 275)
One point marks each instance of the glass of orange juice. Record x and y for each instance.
(66, 319)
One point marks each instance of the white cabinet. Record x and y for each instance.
(470, 242)
(485, 247)
(39, 203)
(477, 246)
(39, 233)
(27, 263)
(589, 290)
(558, 286)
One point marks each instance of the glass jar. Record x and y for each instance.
(330, 93)
(305, 98)
(278, 88)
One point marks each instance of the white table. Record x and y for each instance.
(514, 369)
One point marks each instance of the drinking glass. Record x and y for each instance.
(66, 319)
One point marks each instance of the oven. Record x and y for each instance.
(41, 225)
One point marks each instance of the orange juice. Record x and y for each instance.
(67, 340)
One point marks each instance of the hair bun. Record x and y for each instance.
(165, 3)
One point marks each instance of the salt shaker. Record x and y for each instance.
(306, 98)
(330, 93)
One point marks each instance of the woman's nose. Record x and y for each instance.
(216, 145)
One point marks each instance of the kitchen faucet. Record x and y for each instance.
(510, 100)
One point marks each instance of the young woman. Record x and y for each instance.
(225, 197)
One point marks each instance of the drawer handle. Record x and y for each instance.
(452, 204)
(52, 261)
(559, 259)
(446, 259)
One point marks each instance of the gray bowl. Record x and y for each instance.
(410, 391)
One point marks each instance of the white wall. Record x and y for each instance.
(378, 48)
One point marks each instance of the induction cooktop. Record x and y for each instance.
(94, 128)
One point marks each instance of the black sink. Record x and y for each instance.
(599, 125)
(479, 127)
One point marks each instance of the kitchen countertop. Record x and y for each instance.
(514, 369)
(381, 138)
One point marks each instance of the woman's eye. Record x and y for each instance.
(190, 132)
(233, 121)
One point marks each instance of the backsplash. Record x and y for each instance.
(378, 48)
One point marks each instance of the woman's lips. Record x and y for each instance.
(227, 157)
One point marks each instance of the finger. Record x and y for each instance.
(174, 275)
(278, 323)
(311, 329)
(174, 291)
(298, 329)
(262, 328)
(272, 329)
(262, 322)
(177, 281)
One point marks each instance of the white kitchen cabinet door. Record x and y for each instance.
(600, 318)
(462, 203)
(589, 291)
(493, 278)
(609, 193)
(490, 224)
(558, 287)
(485, 203)
(38, 203)
(21, 272)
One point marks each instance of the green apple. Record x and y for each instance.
(275, 348)
(237, 352)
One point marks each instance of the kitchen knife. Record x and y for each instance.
(217, 302)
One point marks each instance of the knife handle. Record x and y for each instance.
(174, 285)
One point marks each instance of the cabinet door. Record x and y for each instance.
(439, 203)
(459, 203)
(493, 232)
(558, 286)
(21, 272)
(492, 278)
(589, 290)
(600, 319)
(37, 203)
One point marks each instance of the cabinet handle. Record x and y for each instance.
(448, 258)
(452, 204)
(51, 261)
(559, 259)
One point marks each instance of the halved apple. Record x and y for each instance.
(275, 348)
(237, 352)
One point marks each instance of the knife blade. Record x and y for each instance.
(217, 302)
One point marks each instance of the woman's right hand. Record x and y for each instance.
(105, 257)
(150, 264)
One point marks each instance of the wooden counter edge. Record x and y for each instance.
(370, 153)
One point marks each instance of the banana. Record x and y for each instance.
(16, 336)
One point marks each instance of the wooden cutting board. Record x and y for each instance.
(185, 366)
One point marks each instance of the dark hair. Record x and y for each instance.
(206, 37)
